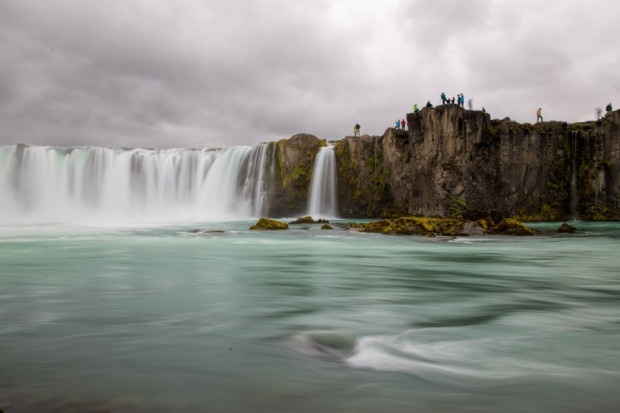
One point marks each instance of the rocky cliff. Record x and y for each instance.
(293, 160)
(454, 161)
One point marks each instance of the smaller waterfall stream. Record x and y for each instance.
(323, 201)
(573, 180)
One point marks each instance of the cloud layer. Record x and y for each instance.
(158, 73)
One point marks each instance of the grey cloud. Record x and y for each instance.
(221, 73)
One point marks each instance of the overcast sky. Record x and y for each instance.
(213, 73)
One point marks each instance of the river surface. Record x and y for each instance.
(143, 319)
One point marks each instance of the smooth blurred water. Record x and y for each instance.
(159, 319)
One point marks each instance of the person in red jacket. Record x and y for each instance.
(403, 124)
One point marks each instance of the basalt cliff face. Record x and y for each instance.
(293, 160)
(453, 162)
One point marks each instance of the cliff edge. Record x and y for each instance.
(454, 161)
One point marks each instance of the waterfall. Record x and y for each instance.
(40, 184)
(323, 201)
(573, 180)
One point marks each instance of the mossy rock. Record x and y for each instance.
(357, 225)
(596, 212)
(376, 226)
(484, 224)
(510, 226)
(417, 226)
(303, 220)
(266, 224)
(326, 226)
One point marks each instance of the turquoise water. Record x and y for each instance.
(137, 319)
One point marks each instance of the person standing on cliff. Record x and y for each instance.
(397, 124)
(443, 98)
(415, 108)
(403, 124)
(356, 129)
(539, 117)
(608, 108)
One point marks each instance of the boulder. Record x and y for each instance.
(567, 229)
(417, 226)
(326, 226)
(511, 226)
(266, 224)
(474, 228)
(303, 220)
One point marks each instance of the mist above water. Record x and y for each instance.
(96, 184)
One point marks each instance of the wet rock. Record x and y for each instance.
(474, 228)
(357, 225)
(303, 220)
(322, 221)
(417, 226)
(511, 226)
(269, 224)
(326, 226)
(567, 229)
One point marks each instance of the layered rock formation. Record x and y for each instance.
(456, 162)
(287, 191)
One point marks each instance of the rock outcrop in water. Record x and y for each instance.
(444, 226)
(266, 224)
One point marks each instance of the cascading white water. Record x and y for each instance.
(102, 185)
(323, 201)
(573, 181)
